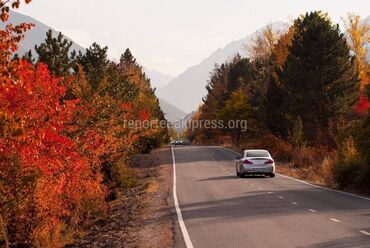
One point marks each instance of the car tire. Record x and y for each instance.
(272, 175)
(242, 175)
(237, 174)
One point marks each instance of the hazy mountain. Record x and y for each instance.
(186, 90)
(36, 35)
(183, 123)
(171, 112)
(157, 79)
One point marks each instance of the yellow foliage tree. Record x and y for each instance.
(358, 35)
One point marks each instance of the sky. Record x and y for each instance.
(172, 35)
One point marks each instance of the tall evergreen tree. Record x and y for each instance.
(95, 63)
(319, 77)
(55, 52)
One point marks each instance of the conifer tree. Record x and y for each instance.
(319, 77)
(55, 52)
(95, 63)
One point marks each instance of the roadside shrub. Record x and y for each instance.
(124, 176)
(305, 157)
(280, 149)
(348, 165)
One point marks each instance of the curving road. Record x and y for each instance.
(221, 210)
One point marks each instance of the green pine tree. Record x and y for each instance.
(55, 52)
(95, 63)
(319, 78)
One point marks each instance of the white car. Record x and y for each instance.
(256, 162)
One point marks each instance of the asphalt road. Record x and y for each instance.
(221, 210)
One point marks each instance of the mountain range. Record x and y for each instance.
(186, 90)
(157, 79)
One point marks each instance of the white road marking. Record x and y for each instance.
(294, 203)
(184, 231)
(312, 210)
(269, 192)
(335, 220)
(281, 197)
(260, 189)
(364, 232)
(304, 182)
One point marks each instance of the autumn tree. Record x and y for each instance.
(274, 101)
(53, 148)
(263, 44)
(239, 111)
(45, 181)
(55, 52)
(364, 141)
(319, 77)
(358, 36)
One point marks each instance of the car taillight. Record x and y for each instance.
(270, 161)
(247, 162)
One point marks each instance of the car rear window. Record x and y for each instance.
(261, 154)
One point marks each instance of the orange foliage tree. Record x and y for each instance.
(47, 187)
(45, 181)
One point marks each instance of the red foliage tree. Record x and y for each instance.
(45, 181)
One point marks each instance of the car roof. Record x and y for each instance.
(256, 150)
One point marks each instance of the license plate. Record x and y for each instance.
(259, 169)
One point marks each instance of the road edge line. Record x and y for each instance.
(184, 231)
(310, 184)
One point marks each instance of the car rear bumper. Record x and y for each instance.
(258, 169)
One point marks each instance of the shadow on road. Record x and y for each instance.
(259, 204)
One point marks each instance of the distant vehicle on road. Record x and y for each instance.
(180, 142)
(255, 162)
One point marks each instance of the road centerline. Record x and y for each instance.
(364, 232)
(335, 220)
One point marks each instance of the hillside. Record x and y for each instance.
(36, 35)
(158, 79)
(186, 90)
(171, 112)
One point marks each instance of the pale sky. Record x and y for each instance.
(172, 35)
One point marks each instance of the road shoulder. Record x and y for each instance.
(141, 216)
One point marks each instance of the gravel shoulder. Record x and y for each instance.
(141, 216)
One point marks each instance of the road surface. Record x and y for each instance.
(221, 210)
